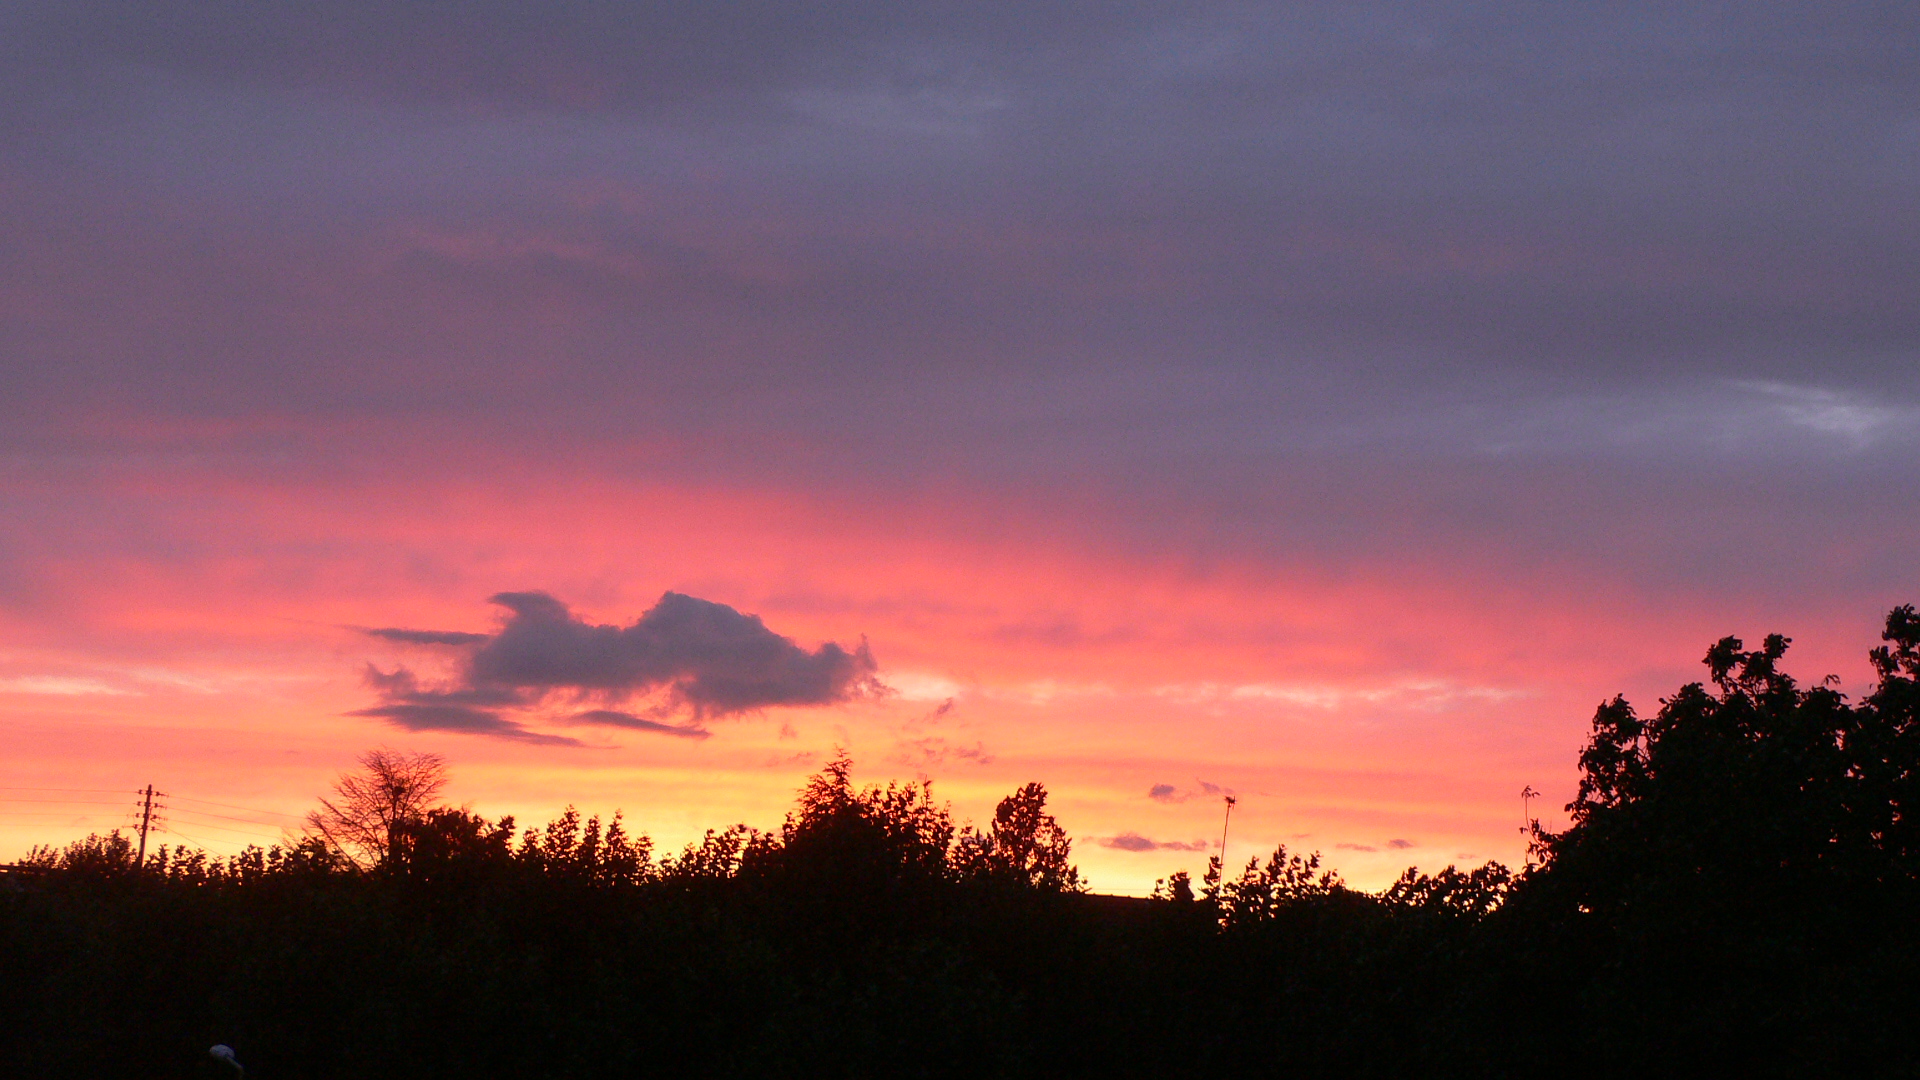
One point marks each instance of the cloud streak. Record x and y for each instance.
(616, 718)
(426, 637)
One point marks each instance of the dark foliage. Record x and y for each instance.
(1738, 890)
(1735, 896)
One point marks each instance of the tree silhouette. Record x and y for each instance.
(368, 818)
(1742, 857)
(1023, 846)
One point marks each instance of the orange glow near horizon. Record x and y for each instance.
(1383, 715)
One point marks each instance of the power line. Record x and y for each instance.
(260, 827)
(203, 843)
(94, 790)
(231, 806)
(56, 813)
(230, 817)
(145, 817)
(226, 828)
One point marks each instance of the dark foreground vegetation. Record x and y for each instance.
(1736, 896)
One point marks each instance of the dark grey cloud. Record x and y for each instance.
(685, 655)
(1400, 845)
(1131, 841)
(707, 658)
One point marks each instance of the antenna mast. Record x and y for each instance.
(1223, 836)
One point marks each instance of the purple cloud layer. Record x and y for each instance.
(1577, 285)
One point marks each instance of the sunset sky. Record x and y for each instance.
(1328, 404)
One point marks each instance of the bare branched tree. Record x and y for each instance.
(366, 819)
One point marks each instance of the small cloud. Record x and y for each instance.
(931, 718)
(1133, 841)
(1167, 793)
(916, 686)
(933, 750)
(1400, 845)
(1355, 847)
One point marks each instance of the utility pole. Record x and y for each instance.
(146, 818)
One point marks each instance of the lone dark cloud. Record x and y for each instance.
(1132, 841)
(690, 656)
(1400, 845)
(707, 657)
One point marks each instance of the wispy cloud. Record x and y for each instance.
(1410, 693)
(934, 750)
(59, 686)
(1853, 417)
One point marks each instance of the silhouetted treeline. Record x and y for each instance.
(1736, 895)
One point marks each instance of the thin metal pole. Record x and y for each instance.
(1223, 838)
